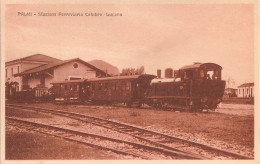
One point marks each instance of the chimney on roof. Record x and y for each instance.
(159, 73)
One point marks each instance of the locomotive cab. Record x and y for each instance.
(205, 84)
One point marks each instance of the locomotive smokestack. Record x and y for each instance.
(159, 73)
(168, 73)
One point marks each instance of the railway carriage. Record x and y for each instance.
(127, 89)
(69, 90)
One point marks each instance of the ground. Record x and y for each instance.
(23, 145)
(231, 124)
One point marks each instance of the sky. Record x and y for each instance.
(157, 36)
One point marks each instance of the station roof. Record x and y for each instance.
(45, 67)
(246, 85)
(34, 58)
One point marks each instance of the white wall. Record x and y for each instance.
(64, 71)
(9, 77)
(246, 92)
(60, 73)
(252, 94)
(22, 67)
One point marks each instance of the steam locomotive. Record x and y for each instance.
(191, 88)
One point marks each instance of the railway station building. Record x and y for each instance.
(40, 71)
(246, 90)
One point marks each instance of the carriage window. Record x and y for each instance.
(116, 87)
(128, 86)
(71, 87)
(75, 87)
(202, 74)
(99, 86)
(93, 86)
(123, 86)
(106, 86)
(113, 86)
(65, 87)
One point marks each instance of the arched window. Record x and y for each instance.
(75, 65)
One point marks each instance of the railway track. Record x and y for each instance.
(159, 140)
(115, 145)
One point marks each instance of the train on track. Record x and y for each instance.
(191, 88)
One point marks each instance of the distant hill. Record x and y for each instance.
(112, 70)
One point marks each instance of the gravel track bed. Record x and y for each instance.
(69, 123)
(203, 140)
(18, 129)
(104, 143)
(200, 137)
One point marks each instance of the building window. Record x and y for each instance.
(5, 72)
(12, 71)
(75, 65)
(18, 69)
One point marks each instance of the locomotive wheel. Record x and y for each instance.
(129, 104)
(139, 105)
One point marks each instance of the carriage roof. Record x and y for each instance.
(68, 81)
(130, 77)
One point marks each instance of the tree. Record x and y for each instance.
(132, 71)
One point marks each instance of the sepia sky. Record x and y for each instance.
(155, 36)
